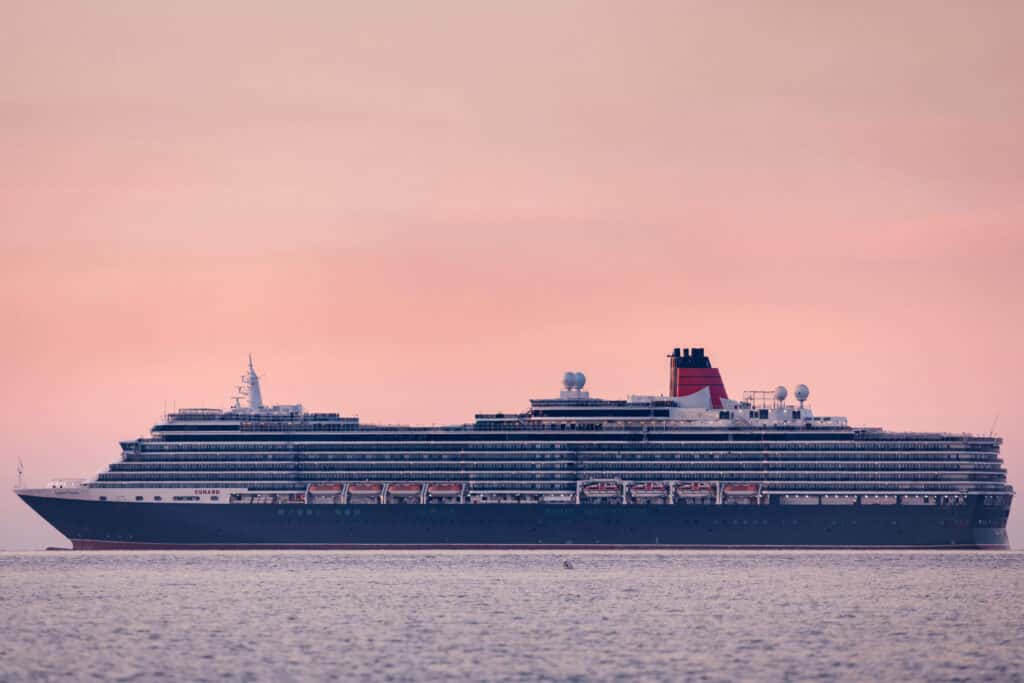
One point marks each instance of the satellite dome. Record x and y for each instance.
(581, 379)
(801, 392)
(781, 393)
(569, 380)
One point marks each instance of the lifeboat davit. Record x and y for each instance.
(740, 489)
(650, 489)
(325, 488)
(404, 489)
(602, 489)
(444, 489)
(695, 490)
(365, 489)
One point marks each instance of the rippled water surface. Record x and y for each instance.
(513, 616)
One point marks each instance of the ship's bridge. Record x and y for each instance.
(267, 419)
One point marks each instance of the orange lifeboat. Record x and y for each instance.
(404, 489)
(740, 489)
(649, 489)
(444, 489)
(325, 488)
(695, 490)
(602, 489)
(365, 489)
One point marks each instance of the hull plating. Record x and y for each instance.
(113, 525)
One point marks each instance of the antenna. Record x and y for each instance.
(253, 385)
(992, 430)
(21, 469)
(240, 393)
(248, 390)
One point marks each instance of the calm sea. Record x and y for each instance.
(512, 616)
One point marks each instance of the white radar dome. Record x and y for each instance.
(569, 380)
(801, 392)
(581, 379)
(781, 393)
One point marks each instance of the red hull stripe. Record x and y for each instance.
(85, 544)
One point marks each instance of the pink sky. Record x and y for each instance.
(416, 211)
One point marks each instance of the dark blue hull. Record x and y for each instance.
(101, 525)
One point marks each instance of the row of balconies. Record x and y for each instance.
(289, 466)
(660, 475)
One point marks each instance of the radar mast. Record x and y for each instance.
(252, 382)
(249, 390)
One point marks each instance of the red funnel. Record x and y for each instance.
(691, 372)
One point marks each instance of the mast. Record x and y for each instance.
(253, 382)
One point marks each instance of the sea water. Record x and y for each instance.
(697, 615)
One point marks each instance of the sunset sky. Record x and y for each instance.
(416, 211)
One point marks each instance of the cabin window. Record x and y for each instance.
(157, 498)
(138, 497)
(214, 497)
(103, 497)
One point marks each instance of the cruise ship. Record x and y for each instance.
(690, 469)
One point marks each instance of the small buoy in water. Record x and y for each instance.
(566, 564)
